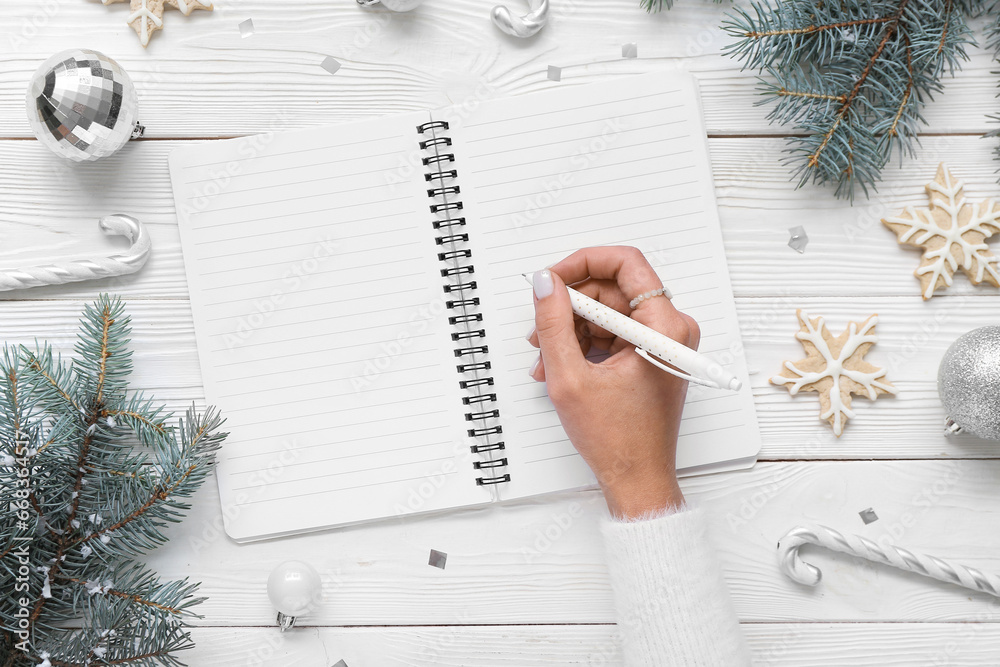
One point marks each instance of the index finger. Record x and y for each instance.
(624, 264)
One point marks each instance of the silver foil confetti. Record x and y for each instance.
(83, 105)
(798, 240)
(868, 516)
(630, 50)
(555, 73)
(331, 65)
(246, 28)
(969, 383)
(438, 559)
(340, 663)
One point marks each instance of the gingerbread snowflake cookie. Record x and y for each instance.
(146, 16)
(835, 367)
(952, 234)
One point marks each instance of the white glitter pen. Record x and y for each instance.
(653, 346)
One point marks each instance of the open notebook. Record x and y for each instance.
(360, 311)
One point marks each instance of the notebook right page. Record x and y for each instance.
(617, 163)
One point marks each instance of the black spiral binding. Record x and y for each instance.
(460, 287)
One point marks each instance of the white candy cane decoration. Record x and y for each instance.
(855, 545)
(88, 269)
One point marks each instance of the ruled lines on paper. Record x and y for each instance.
(313, 281)
(621, 169)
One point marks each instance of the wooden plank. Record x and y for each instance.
(50, 211)
(867, 644)
(794, 645)
(914, 337)
(199, 78)
(542, 561)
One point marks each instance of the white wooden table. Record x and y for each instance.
(508, 597)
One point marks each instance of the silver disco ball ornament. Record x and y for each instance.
(969, 384)
(83, 105)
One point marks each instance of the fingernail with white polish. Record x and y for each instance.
(530, 334)
(534, 366)
(542, 283)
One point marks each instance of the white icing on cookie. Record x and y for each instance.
(976, 258)
(834, 368)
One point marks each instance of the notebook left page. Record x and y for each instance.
(313, 276)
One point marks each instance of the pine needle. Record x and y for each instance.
(851, 77)
(95, 475)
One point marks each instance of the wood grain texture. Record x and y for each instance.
(522, 563)
(542, 560)
(791, 645)
(914, 337)
(50, 210)
(199, 78)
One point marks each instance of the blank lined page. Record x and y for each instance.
(618, 163)
(311, 264)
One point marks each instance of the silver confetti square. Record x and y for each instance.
(246, 28)
(630, 50)
(555, 73)
(868, 516)
(438, 559)
(340, 663)
(331, 65)
(799, 239)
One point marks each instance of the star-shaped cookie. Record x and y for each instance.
(835, 367)
(951, 233)
(147, 15)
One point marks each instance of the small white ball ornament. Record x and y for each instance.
(294, 589)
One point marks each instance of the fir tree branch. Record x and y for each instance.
(120, 661)
(784, 92)
(159, 427)
(15, 410)
(138, 599)
(944, 28)
(35, 505)
(103, 360)
(77, 423)
(812, 29)
(887, 34)
(45, 445)
(159, 494)
(891, 132)
(35, 364)
(852, 76)
(106, 321)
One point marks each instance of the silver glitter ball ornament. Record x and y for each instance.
(969, 383)
(83, 105)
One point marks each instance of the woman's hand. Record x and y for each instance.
(622, 414)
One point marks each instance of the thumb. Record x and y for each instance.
(554, 324)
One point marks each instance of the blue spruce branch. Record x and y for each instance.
(852, 77)
(92, 476)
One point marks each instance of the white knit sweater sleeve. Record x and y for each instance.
(673, 605)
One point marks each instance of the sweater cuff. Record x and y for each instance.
(672, 601)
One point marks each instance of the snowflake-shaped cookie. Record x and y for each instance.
(835, 367)
(147, 15)
(952, 234)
